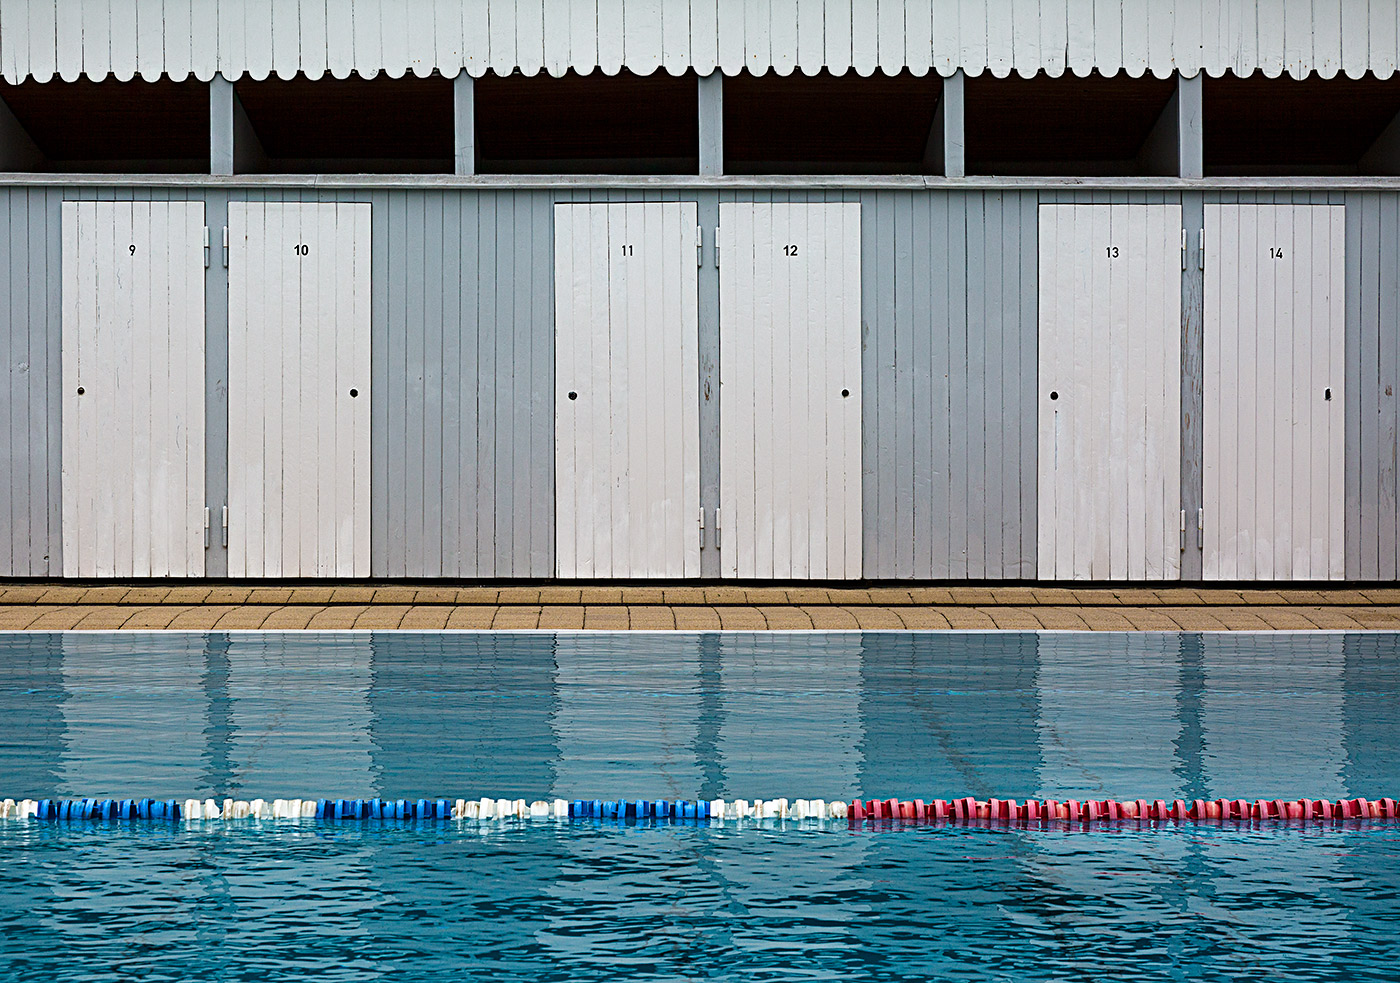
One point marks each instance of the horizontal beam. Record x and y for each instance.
(575, 182)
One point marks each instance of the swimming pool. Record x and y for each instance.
(536, 715)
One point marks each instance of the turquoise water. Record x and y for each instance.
(697, 716)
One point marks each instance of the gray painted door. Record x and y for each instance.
(790, 391)
(1110, 393)
(1274, 417)
(133, 389)
(627, 405)
(299, 389)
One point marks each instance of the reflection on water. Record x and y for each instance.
(698, 716)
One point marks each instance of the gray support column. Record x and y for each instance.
(234, 147)
(708, 214)
(18, 151)
(216, 382)
(1191, 116)
(712, 124)
(950, 109)
(1173, 148)
(464, 123)
(1192, 388)
(1383, 157)
(220, 126)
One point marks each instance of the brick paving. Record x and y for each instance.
(694, 608)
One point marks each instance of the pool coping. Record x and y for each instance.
(64, 607)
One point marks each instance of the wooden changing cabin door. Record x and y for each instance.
(299, 389)
(1275, 408)
(133, 389)
(790, 391)
(626, 401)
(1109, 474)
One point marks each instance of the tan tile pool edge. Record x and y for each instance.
(751, 617)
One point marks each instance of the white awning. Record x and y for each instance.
(44, 39)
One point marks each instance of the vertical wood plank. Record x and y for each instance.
(238, 425)
(1294, 234)
(522, 341)
(1136, 420)
(1100, 402)
(1273, 324)
(1358, 281)
(1308, 377)
(764, 243)
(963, 267)
(981, 208)
(689, 306)
(507, 326)
(1212, 425)
(1049, 329)
(1026, 336)
(322, 384)
(360, 408)
(76, 265)
(490, 326)
(836, 482)
(1377, 381)
(140, 403)
(916, 404)
(641, 308)
(565, 426)
(851, 407)
(789, 277)
(1337, 361)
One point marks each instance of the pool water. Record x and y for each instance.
(535, 715)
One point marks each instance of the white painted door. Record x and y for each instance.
(133, 389)
(790, 425)
(1109, 490)
(627, 405)
(1274, 392)
(299, 389)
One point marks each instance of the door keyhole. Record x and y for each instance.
(1327, 393)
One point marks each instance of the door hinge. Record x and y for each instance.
(206, 260)
(225, 525)
(1183, 249)
(699, 246)
(716, 246)
(1200, 529)
(225, 246)
(206, 508)
(717, 527)
(1201, 249)
(702, 527)
(1183, 530)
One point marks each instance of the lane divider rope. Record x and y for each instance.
(965, 811)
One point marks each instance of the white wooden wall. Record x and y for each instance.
(790, 394)
(69, 38)
(1109, 494)
(1274, 349)
(627, 445)
(133, 343)
(299, 441)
